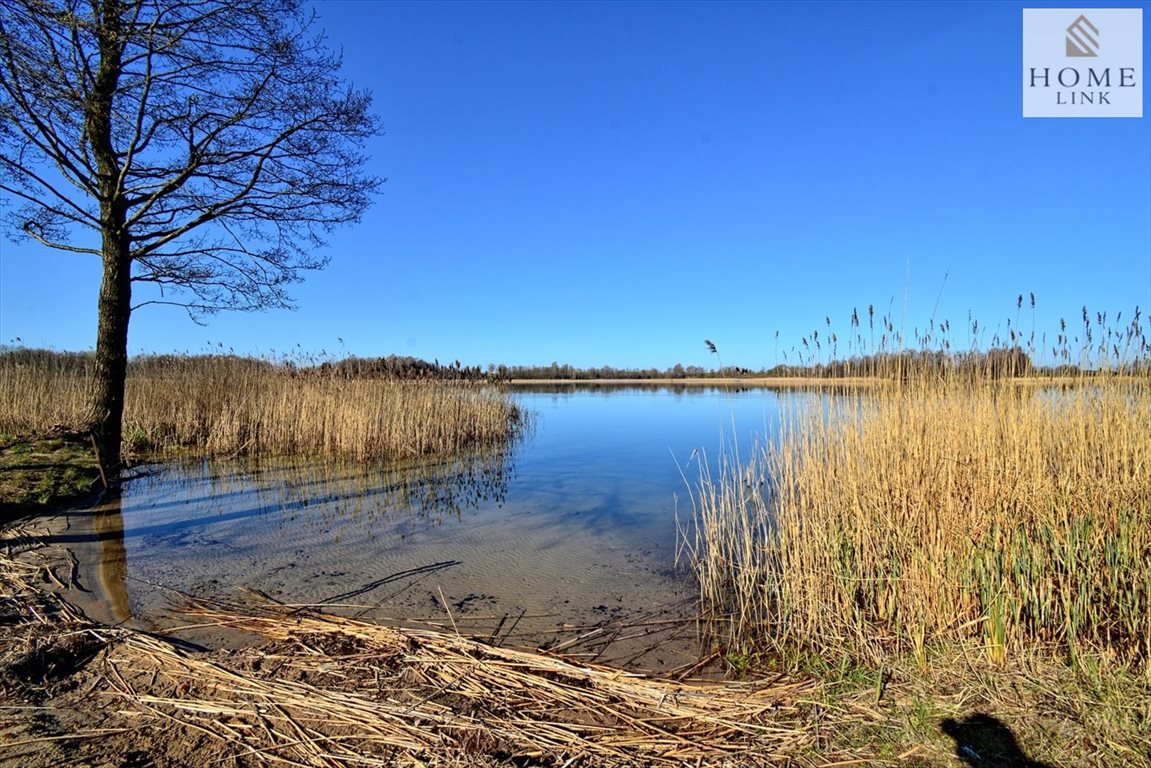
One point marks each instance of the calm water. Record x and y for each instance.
(573, 526)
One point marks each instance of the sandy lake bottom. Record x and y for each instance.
(565, 540)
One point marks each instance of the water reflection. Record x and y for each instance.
(610, 387)
(572, 526)
(112, 569)
(176, 502)
(212, 526)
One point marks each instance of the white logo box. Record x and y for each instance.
(1083, 62)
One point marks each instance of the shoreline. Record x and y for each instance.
(757, 381)
(784, 382)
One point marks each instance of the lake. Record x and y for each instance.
(566, 538)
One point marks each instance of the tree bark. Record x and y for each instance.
(106, 407)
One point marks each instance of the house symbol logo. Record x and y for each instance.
(1082, 38)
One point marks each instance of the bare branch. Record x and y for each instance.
(32, 232)
(62, 204)
(232, 146)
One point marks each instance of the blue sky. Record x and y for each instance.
(612, 183)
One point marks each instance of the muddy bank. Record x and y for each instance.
(317, 689)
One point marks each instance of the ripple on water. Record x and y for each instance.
(572, 527)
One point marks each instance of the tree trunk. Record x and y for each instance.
(106, 407)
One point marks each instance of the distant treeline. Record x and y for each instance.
(391, 367)
(555, 371)
(404, 367)
(996, 363)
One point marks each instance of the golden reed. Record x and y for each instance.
(940, 505)
(232, 405)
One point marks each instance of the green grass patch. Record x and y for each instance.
(1036, 709)
(38, 472)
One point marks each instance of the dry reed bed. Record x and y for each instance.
(350, 692)
(938, 510)
(326, 691)
(224, 405)
(329, 691)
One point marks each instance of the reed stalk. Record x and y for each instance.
(942, 505)
(223, 405)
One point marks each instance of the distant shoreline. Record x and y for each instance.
(756, 381)
(777, 381)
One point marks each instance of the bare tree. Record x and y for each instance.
(204, 147)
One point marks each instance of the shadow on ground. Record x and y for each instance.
(983, 741)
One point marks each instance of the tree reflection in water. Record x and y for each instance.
(425, 492)
(191, 504)
(112, 569)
